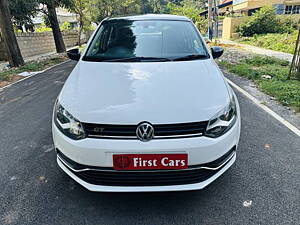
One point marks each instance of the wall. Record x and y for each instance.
(230, 24)
(291, 2)
(32, 44)
(245, 5)
(235, 2)
(293, 17)
(239, 5)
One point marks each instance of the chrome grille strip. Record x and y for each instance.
(135, 138)
(161, 131)
(150, 171)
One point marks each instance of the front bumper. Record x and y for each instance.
(97, 153)
(65, 166)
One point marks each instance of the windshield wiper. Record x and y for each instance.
(191, 57)
(138, 59)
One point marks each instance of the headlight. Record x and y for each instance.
(222, 121)
(67, 124)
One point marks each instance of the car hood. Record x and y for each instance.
(160, 92)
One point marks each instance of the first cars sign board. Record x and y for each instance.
(150, 161)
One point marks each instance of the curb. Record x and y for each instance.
(18, 81)
(283, 121)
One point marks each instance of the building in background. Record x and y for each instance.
(63, 16)
(248, 7)
(224, 8)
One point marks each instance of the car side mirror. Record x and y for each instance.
(217, 51)
(74, 54)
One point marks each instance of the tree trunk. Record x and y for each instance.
(210, 24)
(58, 39)
(143, 7)
(79, 33)
(80, 13)
(12, 46)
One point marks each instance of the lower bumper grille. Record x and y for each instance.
(145, 178)
(110, 177)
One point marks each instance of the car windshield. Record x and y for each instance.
(155, 40)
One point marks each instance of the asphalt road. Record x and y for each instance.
(261, 188)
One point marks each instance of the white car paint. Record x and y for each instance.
(187, 187)
(151, 89)
(157, 92)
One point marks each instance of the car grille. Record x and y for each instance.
(145, 178)
(160, 130)
(110, 177)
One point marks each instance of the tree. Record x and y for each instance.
(22, 11)
(186, 8)
(145, 6)
(197, 4)
(100, 9)
(51, 15)
(58, 39)
(79, 7)
(13, 50)
(156, 6)
(262, 21)
(127, 7)
(153, 6)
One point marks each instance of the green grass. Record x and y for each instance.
(30, 67)
(277, 42)
(82, 47)
(285, 91)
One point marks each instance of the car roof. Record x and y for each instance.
(152, 17)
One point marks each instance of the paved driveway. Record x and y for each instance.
(261, 188)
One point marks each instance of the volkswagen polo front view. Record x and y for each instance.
(146, 108)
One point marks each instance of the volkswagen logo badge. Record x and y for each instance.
(145, 131)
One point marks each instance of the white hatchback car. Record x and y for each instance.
(146, 109)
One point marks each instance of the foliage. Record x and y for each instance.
(127, 7)
(198, 4)
(97, 10)
(277, 42)
(65, 26)
(68, 4)
(288, 24)
(186, 9)
(31, 67)
(146, 6)
(43, 28)
(22, 11)
(100, 9)
(80, 8)
(82, 48)
(157, 6)
(285, 91)
(153, 6)
(261, 22)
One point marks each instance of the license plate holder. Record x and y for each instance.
(150, 161)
